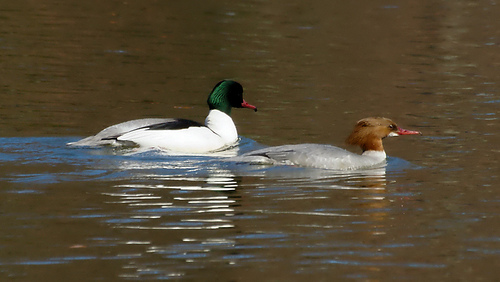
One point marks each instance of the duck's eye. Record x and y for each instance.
(392, 126)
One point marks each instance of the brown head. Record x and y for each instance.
(369, 132)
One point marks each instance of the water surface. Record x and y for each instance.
(313, 68)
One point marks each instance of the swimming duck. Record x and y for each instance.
(181, 135)
(367, 134)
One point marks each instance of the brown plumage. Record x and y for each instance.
(369, 132)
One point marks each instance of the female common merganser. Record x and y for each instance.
(368, 134)
(181, 135)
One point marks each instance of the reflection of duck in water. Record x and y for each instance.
(368, 134)
(204, 201)
(181, 135)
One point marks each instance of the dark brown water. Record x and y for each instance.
(70, 68)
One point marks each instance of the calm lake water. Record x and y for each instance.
(71, 68)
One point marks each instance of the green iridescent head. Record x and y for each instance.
(227, 94)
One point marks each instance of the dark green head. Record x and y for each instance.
(227, 94)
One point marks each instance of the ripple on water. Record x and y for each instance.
(211, 207)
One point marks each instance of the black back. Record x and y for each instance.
(174, 124)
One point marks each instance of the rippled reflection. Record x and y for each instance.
(171, 215)
(154, 208)
(195, 196)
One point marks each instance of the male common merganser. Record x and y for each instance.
(181, 135)
(368, 134)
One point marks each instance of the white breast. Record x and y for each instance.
(222, 125)
(219, 133)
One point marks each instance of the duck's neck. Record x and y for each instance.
(372, 144)
(218, 100)
(373, 148)
(378, 156)
(222, 125)
(366, 140)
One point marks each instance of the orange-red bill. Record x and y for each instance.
(402, 131)
(246, 105)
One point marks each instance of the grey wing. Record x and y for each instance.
(308, 155)
(273, 155)
(107, 135)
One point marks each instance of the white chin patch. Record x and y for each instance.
(393, 134)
